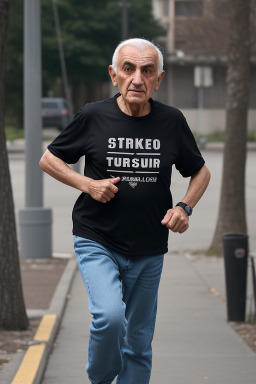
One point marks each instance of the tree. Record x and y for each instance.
(232, 214)
(14, 64)
(12, 308)
(90, 32)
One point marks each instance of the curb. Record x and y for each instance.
(18, 146)
(32, 367)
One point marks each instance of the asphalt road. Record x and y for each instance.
(61, 199)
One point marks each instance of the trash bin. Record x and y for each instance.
(253, 263)
(235, 249)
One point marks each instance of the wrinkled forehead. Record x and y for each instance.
(137, 56)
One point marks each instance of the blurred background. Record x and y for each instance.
(193, 35)
(78, 40)
(209, 53)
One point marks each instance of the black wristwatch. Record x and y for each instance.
(186, 208)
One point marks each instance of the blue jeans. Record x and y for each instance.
(123, 302)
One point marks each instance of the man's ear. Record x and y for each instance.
(112, 74)
(160, 78)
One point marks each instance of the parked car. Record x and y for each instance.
(54, 112)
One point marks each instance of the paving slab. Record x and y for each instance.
(193, 342)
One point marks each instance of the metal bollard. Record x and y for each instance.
(35, 226)
(235, 249)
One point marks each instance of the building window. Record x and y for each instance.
(188, 8)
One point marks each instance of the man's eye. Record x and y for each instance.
(127, 69)
(147, 71)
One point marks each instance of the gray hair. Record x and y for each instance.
(139, 44)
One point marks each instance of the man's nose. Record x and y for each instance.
(137, 78)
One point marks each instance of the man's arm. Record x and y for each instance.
(100, 190)
(176, 219)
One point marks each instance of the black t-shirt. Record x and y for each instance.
(141, 151)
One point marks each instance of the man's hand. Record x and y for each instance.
(103, 190)
(176, 220)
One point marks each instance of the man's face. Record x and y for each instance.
(137, 74)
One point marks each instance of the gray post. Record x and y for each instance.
(171, 30)
(200, 109)
(125, 27)
(199, 81)
(75, 167)
(34, 220)
(32, 103)
(170, 84)
(62, 59)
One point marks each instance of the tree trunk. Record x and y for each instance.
(87, 92)
(12, 309)
(232, 214)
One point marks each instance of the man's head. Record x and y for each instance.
(140, 44)
(137, 69)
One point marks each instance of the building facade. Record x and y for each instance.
(195, 50)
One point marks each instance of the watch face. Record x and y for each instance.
(188, 209)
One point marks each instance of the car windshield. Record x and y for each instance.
(49, 105)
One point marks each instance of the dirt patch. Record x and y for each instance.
(247, 332)
(4, 361)
(39, 279)
(16, 341)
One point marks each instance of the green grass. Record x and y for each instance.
(251, 136)
(219, 137)
(12, 133)
(251, 318)
(216, 137)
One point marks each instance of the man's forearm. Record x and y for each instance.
(58, 169)
(100, 190)
(176, 219)
(197, 186)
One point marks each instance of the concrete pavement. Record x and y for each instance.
(193, 342)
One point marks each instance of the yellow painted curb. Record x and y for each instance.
(31, 361)
(45, 328)
(29, 366)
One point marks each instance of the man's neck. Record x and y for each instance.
(135, 110)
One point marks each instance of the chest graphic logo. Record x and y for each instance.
(133, 184)
(133, 156)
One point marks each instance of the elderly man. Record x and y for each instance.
(122, 218)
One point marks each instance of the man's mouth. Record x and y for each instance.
(135, 90)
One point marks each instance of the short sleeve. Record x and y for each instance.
(189, 159)
(71, 143)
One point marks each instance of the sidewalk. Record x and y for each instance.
(193, 342)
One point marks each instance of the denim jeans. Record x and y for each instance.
(123, 303)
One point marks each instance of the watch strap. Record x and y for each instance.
(186, 208)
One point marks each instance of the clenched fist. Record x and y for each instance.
(176, 220)
(103, 190)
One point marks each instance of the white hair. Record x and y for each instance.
(139, 44)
